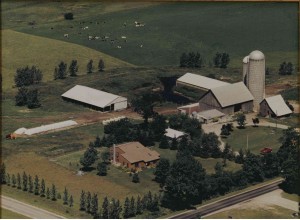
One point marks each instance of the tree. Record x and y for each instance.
(135, 178)
(224, 131)
(60, 72)
(68, 16)
(286, 68)
(184, 183)
(33, 99)
(117, 210)
(7, 179)
(174, 144)
(184, 60)
(241, 120)
(82, 203)
(210, 145)
(94, 205)
(21, 97)
(53, 192)
(253, 168)
(224, 60)
(66, 197)
(2, 173)
(101, 65)
(105, 209)
(291, 107)
(25, 181)
(48, 193)
(217, 59)
(97, 142)
(102, 169)
(105, 156)
(139, 206)
(240, 157)
(89, 66)
(73, 68)
(89, 157)
(71, 201)
(158, 126)
(255, 122)
(132, 211)
(162, 171)
(164, 144)
(126, 213)
(13, 180)
(270, 165)
(30, 184)
(27, 76)
(18, 181)
(88, 202)
(43, 188)
(36, 185)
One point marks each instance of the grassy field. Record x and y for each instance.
(292, 120)
(293, 197)
(258, 138)
(7, 214)
(169, 30)
(271, 212)
(21, 49)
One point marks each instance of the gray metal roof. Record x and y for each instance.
(278, 105)
(172, 133)
(92, 96)
(232, 94)
(200, 81)
(209, 114)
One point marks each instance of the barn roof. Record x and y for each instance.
(278, 105)
(200, 81)
(171, 133)
(91, 96)
(209, 114)
(232, 94)
(135, 152)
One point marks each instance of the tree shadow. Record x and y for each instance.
(87, 169)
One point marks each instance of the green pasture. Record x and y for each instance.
(170, 29)
(258, 138)
(7, 214)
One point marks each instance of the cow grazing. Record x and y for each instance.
(66, 35)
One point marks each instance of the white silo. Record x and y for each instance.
(245, 70)
(256, 77)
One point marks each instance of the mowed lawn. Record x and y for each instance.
(7, 214)
(258, 138)
(19, 50)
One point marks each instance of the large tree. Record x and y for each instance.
(60, 72)
(286, 68)
(27, 76)
(253, 168)
(89, 157)
(21, 97)
(162, 171)
(33, 99)
(73, 68)
(184, 183)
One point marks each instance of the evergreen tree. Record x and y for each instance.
(101, 65)
(7, 179)
(18, 181)
(33, 99)
(21, 97)
(155, 204)
(240, 157)
(2, 173)
(36, 185)
(162, 171)
(102, 169)
(105, 209)
(28, 76)
(66, 196)
(253, 168)
(174, 144)
(25, 181)
(53, 192)
(217, 59)
(126, 213)
(89, 157)
(61, 71)
(135, 178)
(89, 66)
(241, 120)
(71, 201)
(82, 201)
(139, 206)
(73, 68)
(224, 131)
(224, 60)
(184, 60)
(132, 209)
(13, 180)
(118, 209)
(88, 202)
(30, 184)
(94, 205)
(48, 193)
(43, 188)
(97, 142)
(164, 144)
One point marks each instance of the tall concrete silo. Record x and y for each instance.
(245, 70)
(256, 77)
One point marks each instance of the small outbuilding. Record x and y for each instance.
(188, 109)
(95, 99)
(134, 155)
(274, 106)
(227, 99)
(172, 133)
(209, 115)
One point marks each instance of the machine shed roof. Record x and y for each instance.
(232, 94)
(200, 81)
(92, 96)
(278, 105)
(209, 114)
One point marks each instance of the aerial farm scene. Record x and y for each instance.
(149, 110)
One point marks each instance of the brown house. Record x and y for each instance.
(228, 99)
(134, 155)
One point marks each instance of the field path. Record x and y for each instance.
(27, 210)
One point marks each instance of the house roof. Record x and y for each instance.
(278, 105)
(232, 94)
(135, 152)
(200, 81)
(171, 133)
(91, 96)
(209, 114)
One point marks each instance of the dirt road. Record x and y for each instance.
(27, 210)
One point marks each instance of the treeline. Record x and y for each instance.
(195, 60)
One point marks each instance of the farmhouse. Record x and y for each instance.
(134, 155)
(227, 99)
(199, 82)
(95, 99)
(274, 106)
(171, 133)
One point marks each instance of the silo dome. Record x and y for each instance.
(246, 59)
(256, 55)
